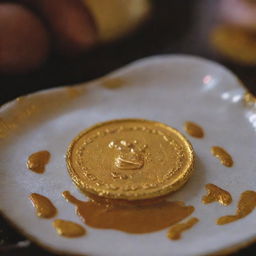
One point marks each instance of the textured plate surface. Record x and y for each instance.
(169, 89)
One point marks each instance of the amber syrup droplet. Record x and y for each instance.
(176, 230)
(43, 206)
(245, 206)
(194, 129)
(216, 194)
(68, 228)
(224, 157)
(37, 161)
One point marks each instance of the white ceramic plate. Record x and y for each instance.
(169, 89)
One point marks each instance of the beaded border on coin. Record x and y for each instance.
(164, 190)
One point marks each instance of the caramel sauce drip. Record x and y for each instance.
(130, 218)
(194, 129)
(249, 99)
(72, 91)
(216, 194)
(113, 83)
(37, 161)
(68, 228)
(123, 202)
(224, 157)
(4, 128)
(246, 205)
(43, 206)
(176, 231)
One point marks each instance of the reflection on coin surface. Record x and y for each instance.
(130, 159)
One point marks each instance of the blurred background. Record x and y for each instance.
(50, 43)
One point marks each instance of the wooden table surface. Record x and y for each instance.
(177, 26)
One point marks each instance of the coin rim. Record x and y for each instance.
(166, 189)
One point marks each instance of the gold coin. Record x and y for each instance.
(130, 159)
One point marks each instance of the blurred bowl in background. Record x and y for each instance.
(24, 41)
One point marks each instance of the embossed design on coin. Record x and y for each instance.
(130, 159)
(131, 155)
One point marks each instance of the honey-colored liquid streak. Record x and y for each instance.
(246, 205)
(216, 194)
(176, 231)
(43, 206)
(130, 218)
(194, 129)
(73, 91)
(68, 228)
(113, 83)
(4, 128)
(37, 161)
(224, 157)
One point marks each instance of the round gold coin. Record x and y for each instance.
(130, 159)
